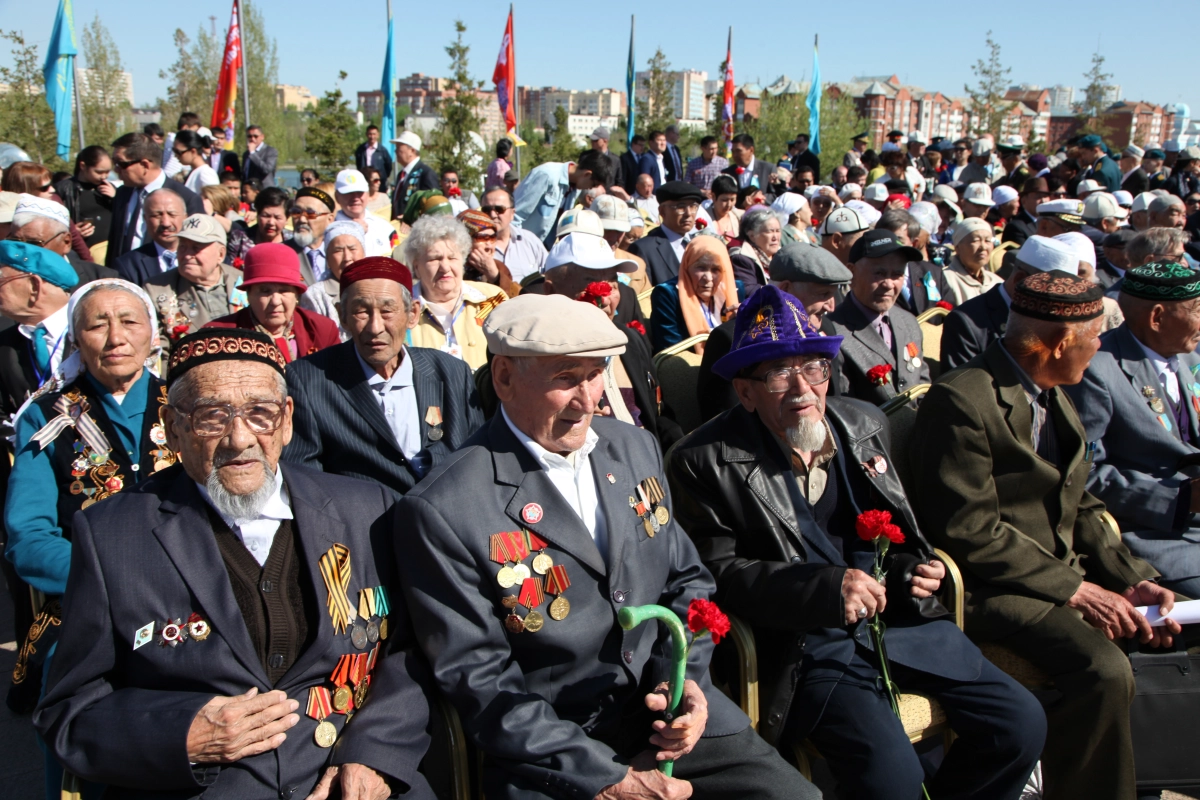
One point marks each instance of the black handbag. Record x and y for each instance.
(1163, 718)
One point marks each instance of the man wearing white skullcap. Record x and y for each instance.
(47, 223)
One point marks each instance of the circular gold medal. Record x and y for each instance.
(506, 577)
(383, 628)
(509, 602)
(534, 622)
(514, 623)
(360, 695)
(542, 563)
(325, 734)
(521, 571)
(76, 487)
(88, 503)
(662, 515)
(341, 699)
(560, 608)
(649, 527)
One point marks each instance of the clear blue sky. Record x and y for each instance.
(584, 46)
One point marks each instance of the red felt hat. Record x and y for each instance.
(376, 267)
(272, 262)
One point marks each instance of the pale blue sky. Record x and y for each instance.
(584, 46)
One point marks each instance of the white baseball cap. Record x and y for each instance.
(843, 219)
(866, 212)
(849, 192)
(978, 193)
(1081, 246)
(875, 191)
(587, 251)
(1013, 142)
(981, 147)
(946, 192)
(1100, 205)
(409, 138)
(1043, 254)
(1142, 202)
(613, 213)
(350, 181)
(1124, 198)
(1088, 185)
(1003, 194)
(579, 220)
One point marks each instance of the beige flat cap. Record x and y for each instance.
(551, 325)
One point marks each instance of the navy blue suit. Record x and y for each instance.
(120, 209)
(648, 165)
(139, 266)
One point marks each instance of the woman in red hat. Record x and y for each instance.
(273, 284)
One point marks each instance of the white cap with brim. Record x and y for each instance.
(1088, 185)
(350, 181)
(587, 251)
(409, 138)
(979, 194)
(866, 212)
(579, 220)
(1101, 205)
(552, 325)
(875, 191)
(1124, 198)
(612, 212)
(202, 228)
(1142, 202)
(843, 220)
(1043, 254)
(981, 147)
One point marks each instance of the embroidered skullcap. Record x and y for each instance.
(1162, 280)
(1058, 296)
(209, 345)
(772, 324)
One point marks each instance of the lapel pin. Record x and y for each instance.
(532, 513)
(611, 479)
(143, 635)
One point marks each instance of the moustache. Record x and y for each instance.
(807, 399)
(223, 457)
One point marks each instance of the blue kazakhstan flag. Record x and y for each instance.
(814, 105)
(60, 74)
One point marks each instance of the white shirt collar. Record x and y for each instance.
(671, 235)
(553, 461)
(1162, 365)
(403, 376)
(55, 325)
(277, 508)
(155, 184)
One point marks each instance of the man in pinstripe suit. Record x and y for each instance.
(372, 407)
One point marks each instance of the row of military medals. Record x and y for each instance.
(103, 470)
(648, 505)
(515, 547)
(1160, 408)
(352, 670)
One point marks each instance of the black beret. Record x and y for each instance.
(678, 190)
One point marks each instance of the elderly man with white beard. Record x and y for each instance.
(776, 494)
(219, 644)
(311, 213)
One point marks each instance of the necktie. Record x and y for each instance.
(169, 259)
(312, 263)
(134, 217)
(41, 351)
(884, 330)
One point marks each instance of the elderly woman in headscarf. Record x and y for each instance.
(91, 432)
(969, 273)
(703, 296)
(762, 236)
(452, 310)
(795, 215)
(345, 243)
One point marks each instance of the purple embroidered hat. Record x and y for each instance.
(772, 324)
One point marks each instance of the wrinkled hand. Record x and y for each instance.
(679, 736)
(357, 782)
(860, 590)
(1109, 612)
(927, 578)
(1148, 593)
(228, 729)
(107, 189)
(643, 781)
(86, 229)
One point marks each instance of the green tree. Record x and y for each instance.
(451, 145)
(988, 106)
(192, 78)
(262, 76)
(782, 116)
(333, 132)
(1090, 110)
(563, 146)
(25, 118)
(840, 120)
(656, 110)
(106, 112)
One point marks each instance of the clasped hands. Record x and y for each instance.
(861, 591)
(1114, 614)
(674, 739)
(228, 729)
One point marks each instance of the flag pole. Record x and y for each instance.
(78, 101)
(516, 100)
(245, 63)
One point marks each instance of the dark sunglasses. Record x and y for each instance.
(493, 209)
(182, 152)
(46, 188)
(125, 164)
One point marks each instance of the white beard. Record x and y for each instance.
(240, 507)
(807, 436)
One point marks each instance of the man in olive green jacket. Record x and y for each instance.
(1000, 465)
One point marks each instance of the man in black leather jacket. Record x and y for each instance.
(770, 491)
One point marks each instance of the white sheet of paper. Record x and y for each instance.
(1183, 613)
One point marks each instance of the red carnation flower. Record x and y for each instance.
(875, 524)
(704, 615)
(944, 304)
(455, 192)
(879, 375)
(701, 224)
(179, 330)
(740, 170)
(238, 263)
(637, 326)
(595, 293)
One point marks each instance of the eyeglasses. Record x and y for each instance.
(489, 210)
(1057, 195)
(778, 380)
(375, 181)
(36, 242)
(306, 213)
(125, 164)
(46, 188)
(214, 421)
(17, 277)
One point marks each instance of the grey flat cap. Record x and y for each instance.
(808, 263)
(551, 325)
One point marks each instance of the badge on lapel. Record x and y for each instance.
(433, 418)
(875, 466)
(648, 505)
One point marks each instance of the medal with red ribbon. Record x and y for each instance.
(343, 697)
(358, 674)
(505, 547)
(319, 707)
(556, 584)
(531, 596)
(535, 543)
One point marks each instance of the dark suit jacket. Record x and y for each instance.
(422, 176)
(762, 171)
(381, 160)
(629, 170)
(921, 301)
(116, 233)
(260, 164)
(1024, 531)
(17, 376)
(648, 165)
(139, 266)
(862, 349)
(1137, 182)
(661, 262)
(674, 163)
(969, 329)
(778, 570)
(807, 159)
(1019, 228)
(88, 271)
(339, 426)
(628, 309)
(551, 707)
(120, 716)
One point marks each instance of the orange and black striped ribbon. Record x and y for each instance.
(335, 569)
(531, 595)
(557, 580)
(320, 705)
(533, 542)
(359, 670)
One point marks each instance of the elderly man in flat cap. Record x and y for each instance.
(1000, 465)
(1139, 402)
(374, 407)
(769, 491)
(662, 248)
(220, 643)
(515, 593)
(46, 223)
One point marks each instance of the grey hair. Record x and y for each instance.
(755, 221)
(1153, 240)
(77, 316)
(25, 218)
(429, 230)
(183, 390)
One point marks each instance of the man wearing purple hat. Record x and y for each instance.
(769, 492)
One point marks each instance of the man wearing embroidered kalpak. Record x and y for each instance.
(1000, 465)
(1139, 403)
(373, 407)
(90, 432)
(769, 491)
(514, 593)
(229, 621)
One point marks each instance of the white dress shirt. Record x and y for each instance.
(397, 397)
(139, 224)
(676, 242)
(259, 533)
(167, 259)
(572, 477)
(1167, 370)
(747, 176)
(55, 338)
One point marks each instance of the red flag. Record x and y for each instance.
(505, 77)
(727, 106)
(225, 105)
